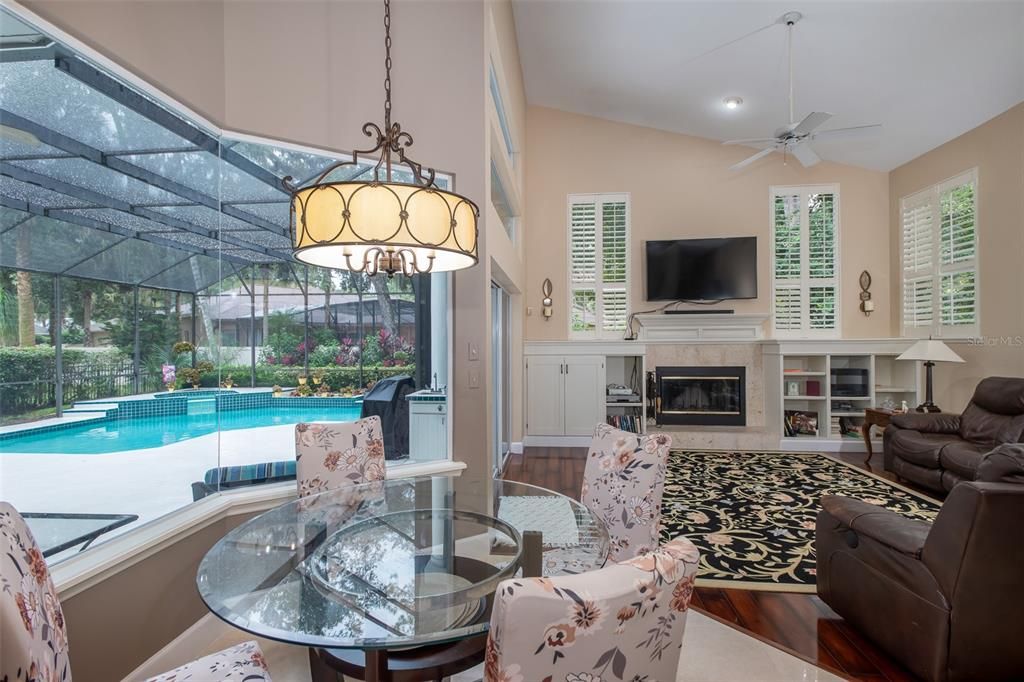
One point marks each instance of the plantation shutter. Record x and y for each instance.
(939, 259)
(957, 255)
(599, 264)
(918, 255)
(805, 263)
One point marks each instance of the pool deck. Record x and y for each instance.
(149, 482)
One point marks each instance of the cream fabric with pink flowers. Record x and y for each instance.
(241, 663)
(623, 622)
(33, 636)
(334, 455)
(623, 483)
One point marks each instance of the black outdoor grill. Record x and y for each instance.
(387, 400)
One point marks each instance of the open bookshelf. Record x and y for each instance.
(819, 394)
(626, 412)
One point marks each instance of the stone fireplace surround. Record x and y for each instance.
(705, 340)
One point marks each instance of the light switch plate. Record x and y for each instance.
(474, 351)
(529, 310)
(474, 378)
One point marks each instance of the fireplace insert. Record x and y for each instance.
(708, 396)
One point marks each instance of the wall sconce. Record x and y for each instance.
(867, 306)
(546, 302)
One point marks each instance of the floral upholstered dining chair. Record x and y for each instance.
(622, 622)
(622, 483)
(334, 455)
(34, 635)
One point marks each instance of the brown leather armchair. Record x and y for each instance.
(939, 450)
(946, 599)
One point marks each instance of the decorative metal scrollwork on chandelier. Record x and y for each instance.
(380, 225)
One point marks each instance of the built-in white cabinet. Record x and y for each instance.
(567, 389)
(565, 394)
(428, 430)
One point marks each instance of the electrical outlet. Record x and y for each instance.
(474, 378)
(474, 351)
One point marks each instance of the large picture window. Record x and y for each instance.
(599, 265)
(938, 229)
(805, 261)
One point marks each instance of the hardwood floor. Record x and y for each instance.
(799, 622)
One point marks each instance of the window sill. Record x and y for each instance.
(86, 569)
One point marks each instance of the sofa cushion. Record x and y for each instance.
(982, 426)
(963, 458)
(921, 448)
(1000, 395)
(1005, 464)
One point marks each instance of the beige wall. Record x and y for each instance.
(681, 187)
(996, 149)
(506, 266)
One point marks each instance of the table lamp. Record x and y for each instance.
(931, 351)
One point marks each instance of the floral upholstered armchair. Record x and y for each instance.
(622, 483)
(623, 622)
(334, 455)
(34, 636)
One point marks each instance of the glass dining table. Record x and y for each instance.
(394, 579)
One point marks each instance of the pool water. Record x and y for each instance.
(139, 433)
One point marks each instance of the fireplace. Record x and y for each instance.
(708, 396)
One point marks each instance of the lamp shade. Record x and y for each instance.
(930, 350)
(337, 222)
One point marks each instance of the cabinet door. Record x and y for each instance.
(544, 394)
(428, 432)
(584, 394)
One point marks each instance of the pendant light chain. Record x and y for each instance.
(387, 88)
(387, 64)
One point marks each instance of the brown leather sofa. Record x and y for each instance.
(946, 599)
(939, 450)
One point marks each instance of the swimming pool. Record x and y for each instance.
(142, 432)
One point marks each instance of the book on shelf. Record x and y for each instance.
(800, 423)
(624, 422)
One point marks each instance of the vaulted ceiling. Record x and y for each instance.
(927, 71)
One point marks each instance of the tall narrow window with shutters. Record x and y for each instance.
(939, 246)
(598, 265)
(805, 261)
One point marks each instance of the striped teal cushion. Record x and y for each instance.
(250, 473)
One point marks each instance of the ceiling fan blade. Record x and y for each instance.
(854, 131)
(810, 122)
(752, 140)
(751, 159)
(804, 154)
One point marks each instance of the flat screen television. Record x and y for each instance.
(702, 269)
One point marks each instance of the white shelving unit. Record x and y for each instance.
(814, 409)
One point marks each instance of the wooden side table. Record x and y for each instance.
(874, 416)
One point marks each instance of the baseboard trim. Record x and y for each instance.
(557, 441)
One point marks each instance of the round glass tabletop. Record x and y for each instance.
(391, 564)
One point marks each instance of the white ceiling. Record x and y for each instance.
(928, 71)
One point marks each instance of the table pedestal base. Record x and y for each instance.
(433, 662)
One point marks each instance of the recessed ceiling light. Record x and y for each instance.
(732, 102)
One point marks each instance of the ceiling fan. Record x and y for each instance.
(795, 138)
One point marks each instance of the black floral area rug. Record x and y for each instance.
(752, 513)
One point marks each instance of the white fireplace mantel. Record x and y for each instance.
(701, 328)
